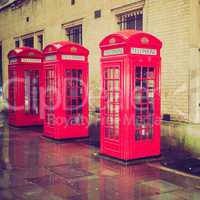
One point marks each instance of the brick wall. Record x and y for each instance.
(170, 21)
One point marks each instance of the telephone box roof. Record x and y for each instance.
(25, 52)
(130, 37)
(65, 46)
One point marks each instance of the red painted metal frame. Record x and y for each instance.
(131, 50)
(23, 60)
(63, 58)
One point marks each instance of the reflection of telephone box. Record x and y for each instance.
(66, 90)
(25, 87)
(130, 98)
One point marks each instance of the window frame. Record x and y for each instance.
(129, 20)
(40, 44)
(71, 32)
(17, 43)
(28, 38)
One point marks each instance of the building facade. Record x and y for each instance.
(36, 23)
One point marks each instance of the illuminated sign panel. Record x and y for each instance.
(31, 60)
(73, 57)
(50, 58)
(142, 51)
(113, 52)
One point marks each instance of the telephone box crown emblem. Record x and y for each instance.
(50, 49)
(31, 54)
(73, 49)
(112, 41)
(144, 40)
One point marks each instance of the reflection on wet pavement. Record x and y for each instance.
(33, 167)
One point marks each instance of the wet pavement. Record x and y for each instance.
(35, 168)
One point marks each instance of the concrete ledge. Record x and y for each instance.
(181, 135)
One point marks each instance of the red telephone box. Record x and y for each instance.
(130, 97)
(25, 87)
(66, 95)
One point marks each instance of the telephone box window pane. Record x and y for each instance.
(68, 73)
(151, 90)
(151, 108)
(112, 93)
(31, 92)
(35, 92)
(138, 72)
(27, 89)
(137, 84)
(68, 84)
(49, 100)
(144, 97)
(137, 134)
(12, 103)
(151, 72)
(144, 107)
(106, 74)
(151, 120)
(150, 133)
(144, 135)
(74, 95)
(144, 72)
(74, 92)
(137, 121)
(80, 91)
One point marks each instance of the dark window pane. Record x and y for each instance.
(40, 42)
(28, 42)
(132, 20)
(137, 135)
(151, 72)
(144, 72)
(112, 93)
(74, 34)
(31, 92)
(138, 72)
(49, 113)
(17, 43)
(139, 24)
(74, 90)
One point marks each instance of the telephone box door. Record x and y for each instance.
(75, 96)
(110, 104)
(50, 82)
(145, 92)
(12, 91)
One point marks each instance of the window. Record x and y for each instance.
(11, 90)
(112, 101)
(97, 14)
(50, 92)
(40, 42)
(74, 96)
(1, 78)
(144, 102)
(74, 34)
(31, 92)
(131, 20)
(17, 43)
(28, 42)
(72, 2)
